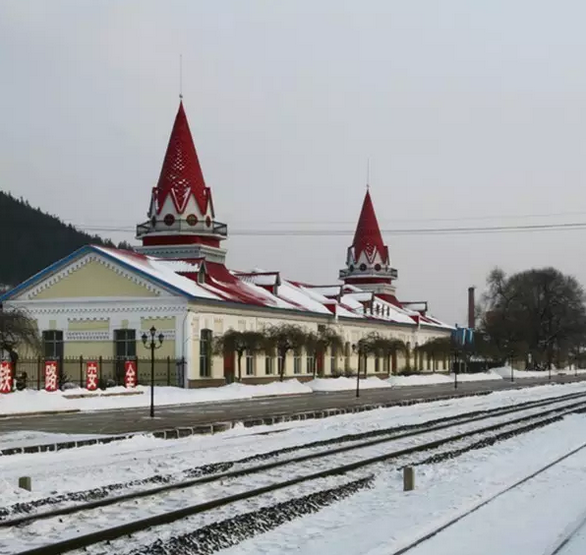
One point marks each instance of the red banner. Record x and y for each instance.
(5, 377)
(91, 376)
(51, 376)
(130, 377)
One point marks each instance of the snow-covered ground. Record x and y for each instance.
(386, 517)
(429, 379)
(143, 455)
(345, 384)
(77, 399)
(30, 400)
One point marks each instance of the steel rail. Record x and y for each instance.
(109, 534)
(458, 420)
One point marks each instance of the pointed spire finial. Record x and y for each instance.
(180, 76)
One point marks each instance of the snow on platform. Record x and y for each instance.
(32, 401)
(77, 399)
(344, 384)
(431, 379)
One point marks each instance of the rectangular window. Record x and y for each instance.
(310, 361)
(387, 364)
(53, 344)
(269, 365)
(280, 364)
(249, 365)
(333, 359)
(205, 353)
(376, 365)
(297, 362)
(125, 344)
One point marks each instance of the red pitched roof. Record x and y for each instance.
(368, 237)
(181, 173)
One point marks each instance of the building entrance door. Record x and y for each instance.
(229, 367)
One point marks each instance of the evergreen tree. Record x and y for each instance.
(31, 240)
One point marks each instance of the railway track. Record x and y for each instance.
(342, 465)
(171, 481)
(572, 540)
(562, 546)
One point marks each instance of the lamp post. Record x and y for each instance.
(356, 348)
(456, 368)
(152, 344)
(512, 369)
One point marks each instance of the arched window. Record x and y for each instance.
(205, 353)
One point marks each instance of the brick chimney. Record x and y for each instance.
(471, 318)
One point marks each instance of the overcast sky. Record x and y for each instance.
(472, 114)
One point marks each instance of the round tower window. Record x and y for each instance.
(192, 219)
(169, 219)
(208, 221)
(363, 267)
(377, 267)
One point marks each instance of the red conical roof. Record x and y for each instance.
(181, 173)
(368, 237)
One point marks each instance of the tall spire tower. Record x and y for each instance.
(181, 222)
(368, 264)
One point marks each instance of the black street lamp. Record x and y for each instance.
(356, 348)
(456, 368)
(512, 370)
(152, 345)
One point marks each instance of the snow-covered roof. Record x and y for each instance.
(256, 288)
(160, 269)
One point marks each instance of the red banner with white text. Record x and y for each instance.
(51, 376)
(130, 375)
(5, 376)
(91, 375)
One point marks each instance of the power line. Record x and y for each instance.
(571, 226)
(120, 227)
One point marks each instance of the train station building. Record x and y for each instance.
(98, 302)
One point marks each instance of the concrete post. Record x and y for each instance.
(408, 478)
(24, 482)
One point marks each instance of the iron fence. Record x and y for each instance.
(30, 373)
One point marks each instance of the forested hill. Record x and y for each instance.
(31, 240)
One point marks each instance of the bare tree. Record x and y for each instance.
(365, 347)
(316, 344)
(284, 338)
(17, 330)
(239, 342)
(540, 312)
(387, 347)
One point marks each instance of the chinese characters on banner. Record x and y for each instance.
(51, 376)
(130, 373)
(5, 377)
(91, 381)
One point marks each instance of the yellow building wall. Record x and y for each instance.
(88, 349)
(161, 324)
(105, 349)
(94, 280)
(88, 325)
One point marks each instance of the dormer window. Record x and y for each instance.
(201, 275)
